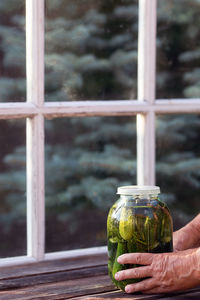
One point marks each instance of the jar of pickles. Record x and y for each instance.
(137, 222)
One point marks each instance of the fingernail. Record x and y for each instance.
(118, 259)
(127, 289)
(117, 276)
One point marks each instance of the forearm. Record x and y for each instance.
(188, 236)
(193, 230)
(195, 225)
(197, 265)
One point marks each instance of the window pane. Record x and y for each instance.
(178, 49)
(12, 51)
(86, 159)
(12, 188)
(91, 50)
(178, 165)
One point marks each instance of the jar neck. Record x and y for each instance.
(138, 198)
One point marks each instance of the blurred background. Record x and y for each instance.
(91, 54)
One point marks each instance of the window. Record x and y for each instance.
(46, 102)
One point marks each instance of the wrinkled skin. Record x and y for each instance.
(187, 237)
(166, 272)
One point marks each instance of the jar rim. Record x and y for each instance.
(138, 190)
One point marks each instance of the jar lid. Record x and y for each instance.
(138, 189)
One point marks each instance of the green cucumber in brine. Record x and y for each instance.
(126, 225)
(122, 249)
(166, 231)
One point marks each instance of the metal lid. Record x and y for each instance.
(138, 189)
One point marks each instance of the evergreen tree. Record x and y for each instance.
(177, 77)
(91, 53)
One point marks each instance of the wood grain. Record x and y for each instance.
(60, 265)
(67, 289)
(82, 278)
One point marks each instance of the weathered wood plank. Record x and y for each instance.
(187, 295)
(52, 277)
(78, 278)
(117, 295)
(94, 287)
(53, 266)
(66, 289)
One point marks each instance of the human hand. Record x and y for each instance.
(166, 272)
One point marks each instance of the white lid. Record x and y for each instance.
(138, 189)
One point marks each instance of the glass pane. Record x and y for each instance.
(12, 51)
(178, 165)
(178, 49)
(12, 188)
(86, 159)
(91, 50)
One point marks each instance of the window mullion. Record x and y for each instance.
(146, 149)
(146, 92)
(35, 51)
(35, 129)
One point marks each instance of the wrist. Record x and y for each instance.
(195, 224)
(184, 238)
(192, 232)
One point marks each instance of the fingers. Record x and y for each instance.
(144, 285)
(139, 272)
(136, 258)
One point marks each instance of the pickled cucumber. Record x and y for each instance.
(151, 233)
(126, 224)
(121, 249)
(166, 229)
(113, 224)
(116, 267)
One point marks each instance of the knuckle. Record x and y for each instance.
(138, 259)
(141, 286)
(136, 273)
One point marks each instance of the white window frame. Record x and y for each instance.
(35, 110)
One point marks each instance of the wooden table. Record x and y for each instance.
(84, 278)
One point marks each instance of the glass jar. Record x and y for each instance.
(137, 222)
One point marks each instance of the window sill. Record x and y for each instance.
(73, 278)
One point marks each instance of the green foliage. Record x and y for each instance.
(88, 171)
(12, 51)
(178, 49)
(178, 167)
(92, 52)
